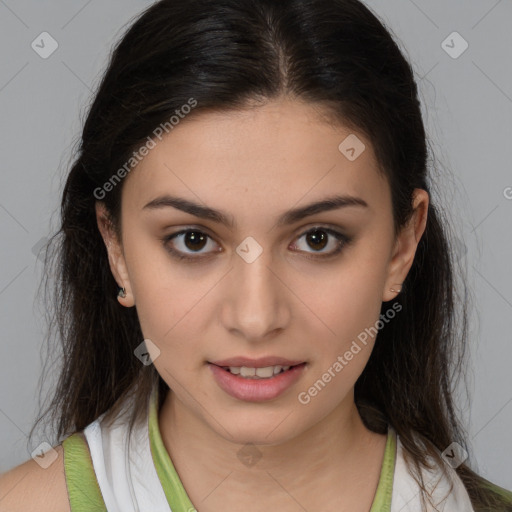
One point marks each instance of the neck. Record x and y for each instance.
(338, 451)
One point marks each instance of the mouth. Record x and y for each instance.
(257, 383)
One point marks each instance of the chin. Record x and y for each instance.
(256, 429)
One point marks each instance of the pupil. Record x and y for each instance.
(317, 237)
(196, 239)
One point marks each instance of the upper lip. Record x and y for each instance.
(262, 362)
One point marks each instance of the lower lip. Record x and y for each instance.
(256, 390)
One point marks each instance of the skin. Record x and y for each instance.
(255, 164)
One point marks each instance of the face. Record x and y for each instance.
(250, 272)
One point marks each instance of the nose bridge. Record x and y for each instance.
(255, 305)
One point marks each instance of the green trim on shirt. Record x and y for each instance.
(180, 502)
(382, 500)
(173, 488)
(83, 488)
(504, 493)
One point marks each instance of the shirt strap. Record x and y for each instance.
(83, 489)
(174, 491)
(502, 492)
(384, 493)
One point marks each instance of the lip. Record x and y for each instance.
(256, 390)
(262, 362)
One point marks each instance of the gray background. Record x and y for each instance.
(468, 111)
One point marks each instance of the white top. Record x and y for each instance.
(129, 482)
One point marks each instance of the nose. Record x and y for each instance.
(255, 299)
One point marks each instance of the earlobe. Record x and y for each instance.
(394, 282)
(115, 254)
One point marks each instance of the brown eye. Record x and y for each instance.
(194, 240)
(187, 242)
(318, 239)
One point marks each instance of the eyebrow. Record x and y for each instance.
(289, 217)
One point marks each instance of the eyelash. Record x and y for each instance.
(343, 241)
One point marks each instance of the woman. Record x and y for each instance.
(257, 296)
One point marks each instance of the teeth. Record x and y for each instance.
(265, 373)
(247, 372)
(257, 373)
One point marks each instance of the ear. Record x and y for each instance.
(406, 245)
(115, 254)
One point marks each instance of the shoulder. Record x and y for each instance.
(30, 486)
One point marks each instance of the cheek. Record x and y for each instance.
(350, 315)
(165, 299)
(351, 299)
(349, 305)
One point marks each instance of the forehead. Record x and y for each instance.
(281, 152)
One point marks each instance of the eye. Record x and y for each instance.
(192, 241)
(319, 238)
(187, 239)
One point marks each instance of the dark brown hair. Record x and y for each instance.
(228, 54)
